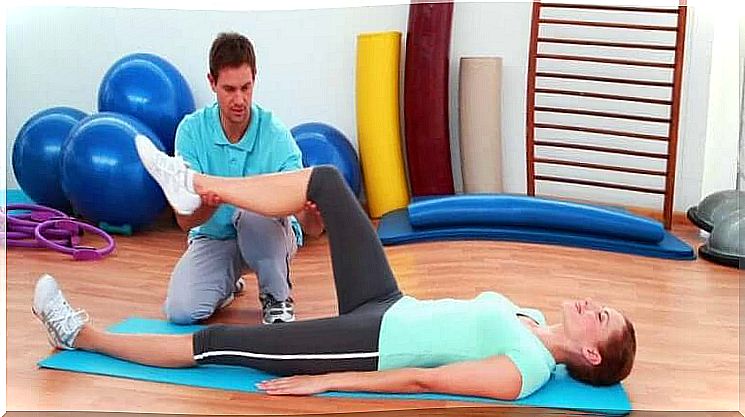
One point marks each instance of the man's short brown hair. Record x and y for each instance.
(231, 50)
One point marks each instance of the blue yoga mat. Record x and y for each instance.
(395, 229)
(560, 392)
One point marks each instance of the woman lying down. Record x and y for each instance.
(382, 340)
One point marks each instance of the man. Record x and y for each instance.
(235, 138)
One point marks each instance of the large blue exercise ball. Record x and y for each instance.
(102, 175)
(323, 144)
(150, 89)
(36, 154)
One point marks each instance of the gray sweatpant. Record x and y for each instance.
(206, 274)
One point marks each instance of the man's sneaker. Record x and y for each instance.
(172, 175)
(276, 311)
(62, 322)
(240, 285)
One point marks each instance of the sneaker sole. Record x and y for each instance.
(278, 321)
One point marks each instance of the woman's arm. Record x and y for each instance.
(496, 377)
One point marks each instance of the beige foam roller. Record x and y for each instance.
(480, 108)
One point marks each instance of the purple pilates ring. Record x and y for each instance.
(38, 214)
(79, 253)
(18, 235)
(57, 234)
(26, 223)
(32, 243)
(45, 227)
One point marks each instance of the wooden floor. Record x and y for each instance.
(685, 313)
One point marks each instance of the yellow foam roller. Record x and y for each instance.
(378, 128)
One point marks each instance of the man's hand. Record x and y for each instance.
(211, 199)
(311, 220)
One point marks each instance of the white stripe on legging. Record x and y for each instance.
(299, 356)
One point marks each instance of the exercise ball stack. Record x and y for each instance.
(36, 154)
(322, 144)
(88, 165)
(102, 175)
(150, 89)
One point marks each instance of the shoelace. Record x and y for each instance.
(275, 306)
(175, 169)
(63, 319)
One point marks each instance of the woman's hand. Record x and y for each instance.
(311, 220)
(298, 385)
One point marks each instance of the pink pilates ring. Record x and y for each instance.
(79, 253)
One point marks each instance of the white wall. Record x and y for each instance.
(306, 59)
(722, 133)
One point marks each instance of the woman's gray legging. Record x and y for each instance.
(365, 289)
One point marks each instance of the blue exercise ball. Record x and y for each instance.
(322, 144)
(102, 175)
(150, 89)
(36, 155)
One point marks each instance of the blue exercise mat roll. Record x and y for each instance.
(395, 229)
(499, 210)
(561, 391)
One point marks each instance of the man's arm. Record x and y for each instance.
(185, 145)
(309, 217)
(496, 377)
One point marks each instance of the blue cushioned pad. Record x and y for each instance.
(395, 229)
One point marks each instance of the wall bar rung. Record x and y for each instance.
(602, 114)
(599, 166)
(604, 79)
(608, 44)
(601, 131)
(607, 24)
(603, 96)
(610, 8)
(600, 184)
(600, 149)
(606, 60)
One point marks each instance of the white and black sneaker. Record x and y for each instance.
(172, 175)
(274, 311)
(62, 322)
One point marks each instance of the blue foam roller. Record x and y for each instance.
(395, 229)
(500, 210)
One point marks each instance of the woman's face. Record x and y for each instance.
(589, 324)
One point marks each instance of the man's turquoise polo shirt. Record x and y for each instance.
(266, 147)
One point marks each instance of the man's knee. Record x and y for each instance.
(259, 231)
(187, 309)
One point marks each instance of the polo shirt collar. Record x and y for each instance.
(248, 140)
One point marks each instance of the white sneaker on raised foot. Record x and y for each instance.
(172, 175)
(62, 322)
